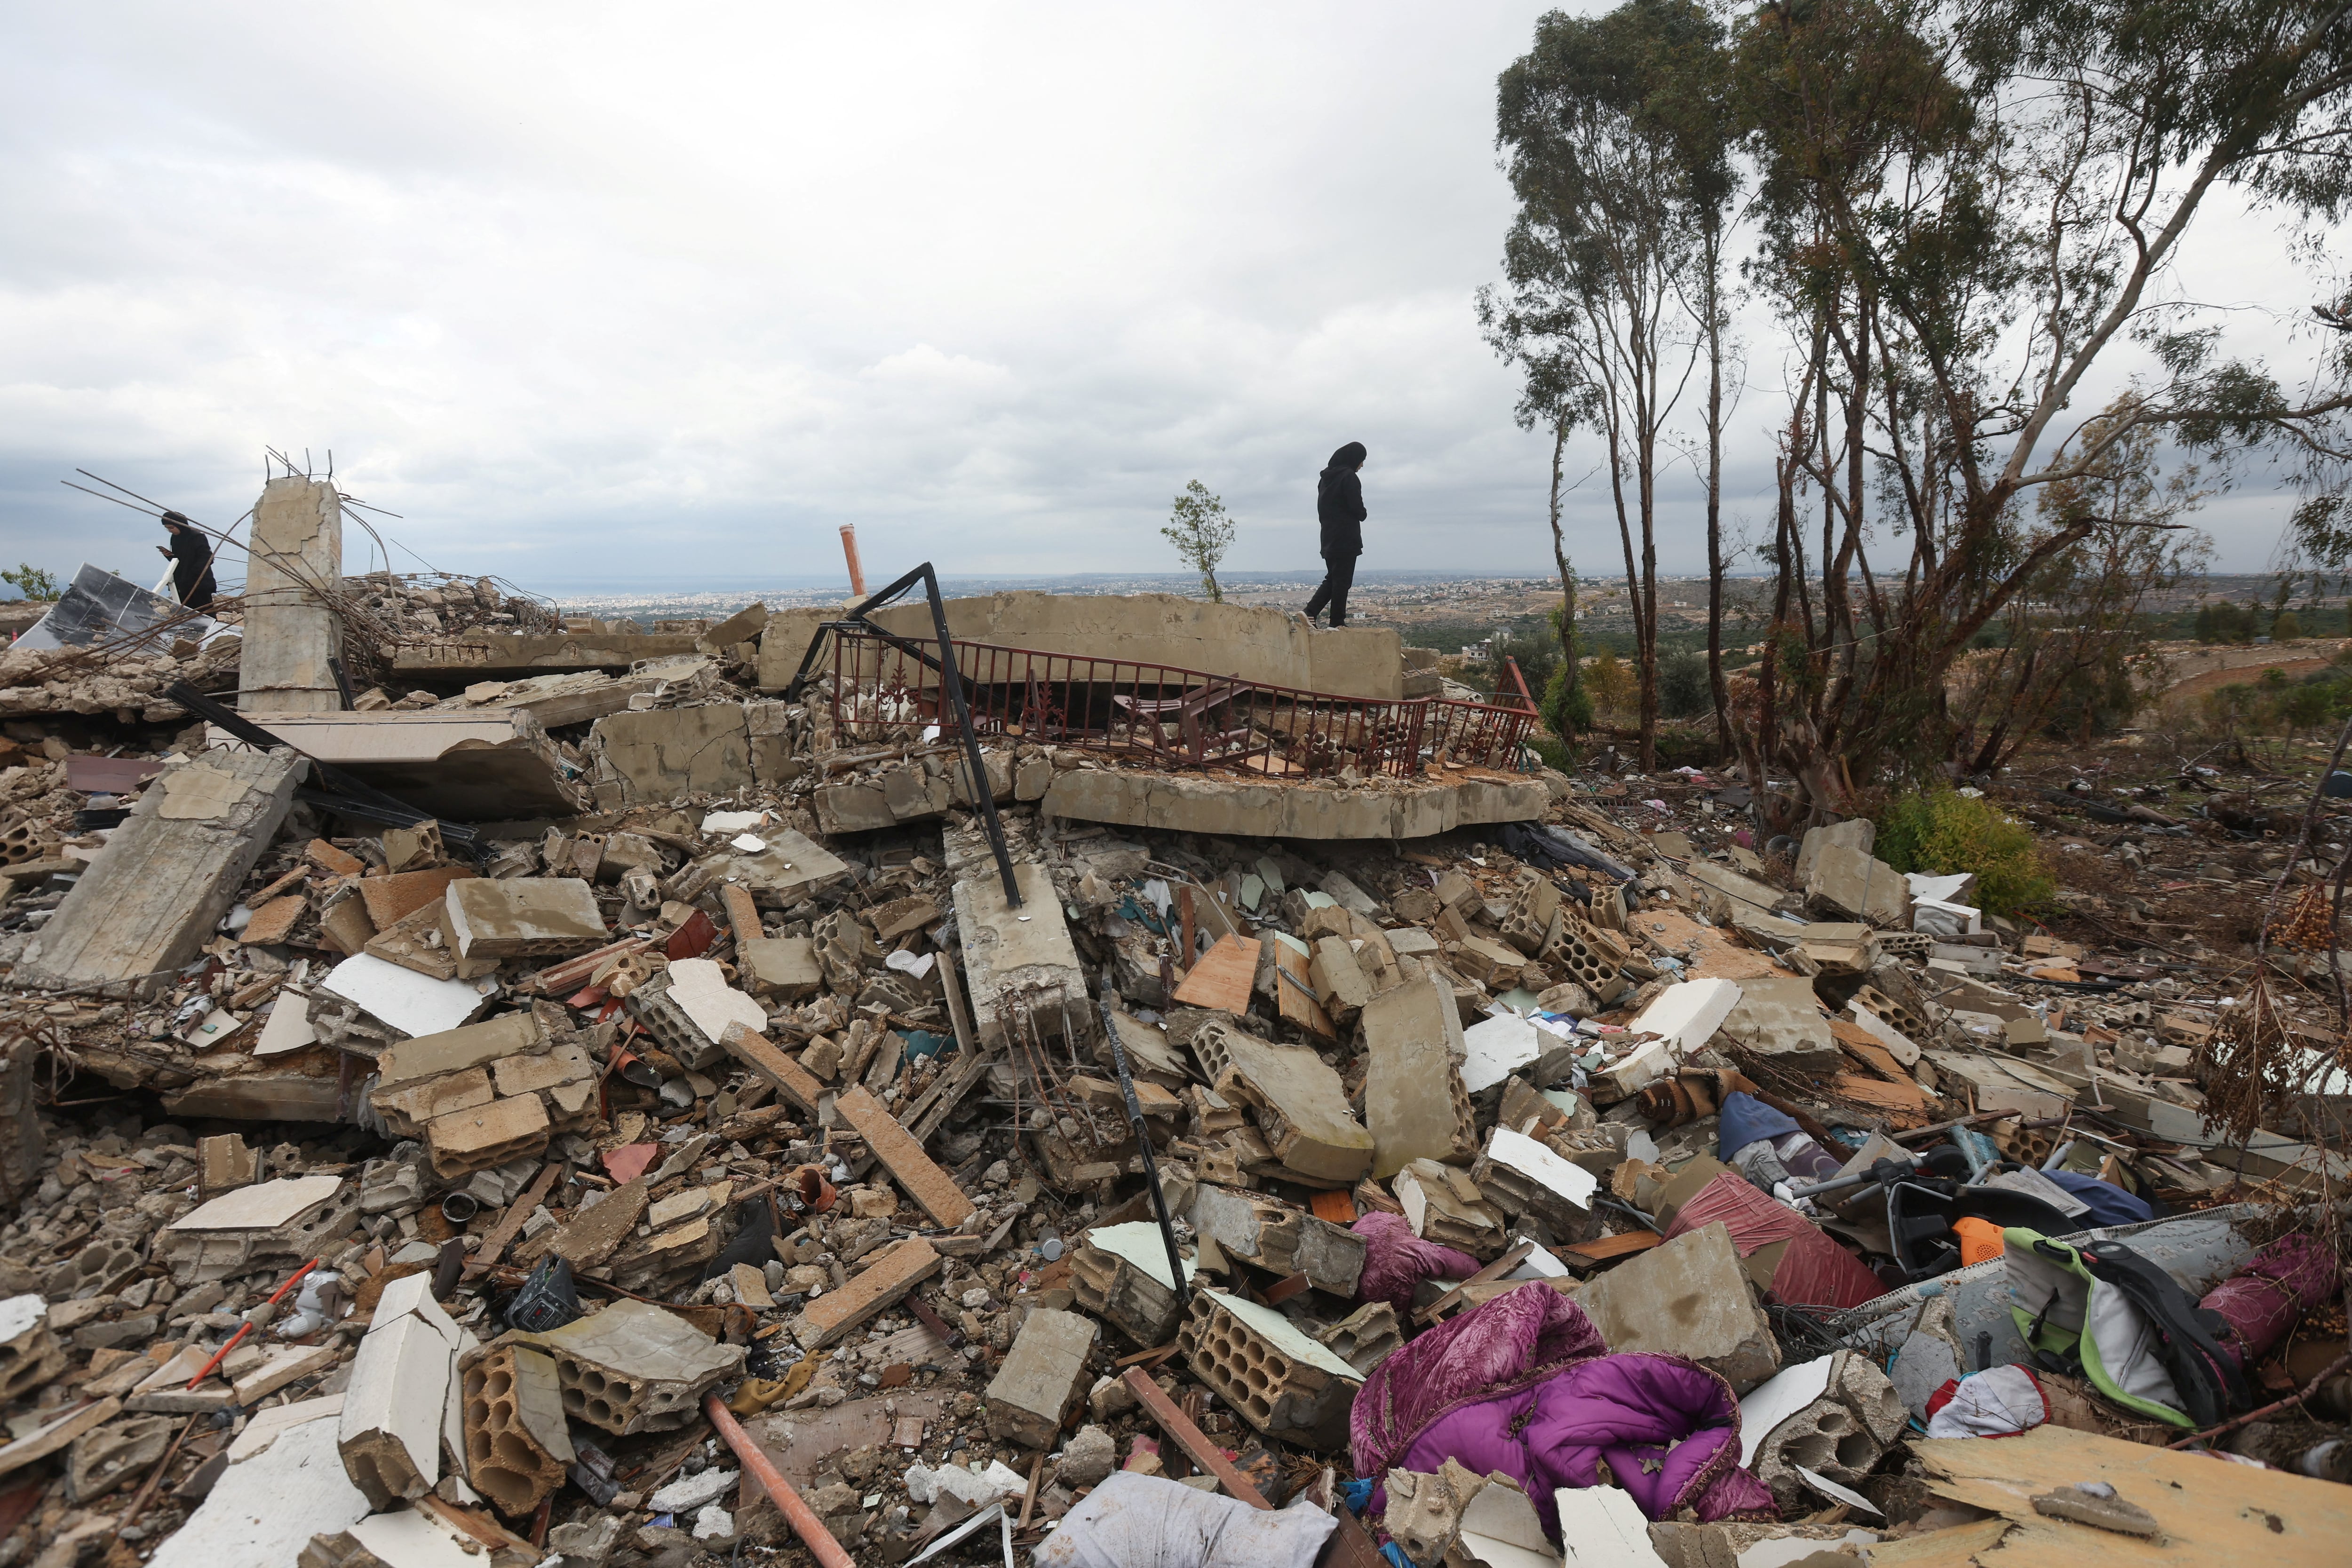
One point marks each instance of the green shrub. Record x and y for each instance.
(1569, 714)
(1684, 690)
(1554, 751)
(1944, 831)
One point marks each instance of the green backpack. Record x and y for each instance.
(2141, 1340)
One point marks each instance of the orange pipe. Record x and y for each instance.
(797, 1513)
(849, 549)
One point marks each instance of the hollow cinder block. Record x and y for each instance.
(1842, 1435)
(517, 1449)
(1281, 1382)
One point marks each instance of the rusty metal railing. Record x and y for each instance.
(1163, 713)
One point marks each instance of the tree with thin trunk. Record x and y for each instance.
(1202, 533)
(1603, 257)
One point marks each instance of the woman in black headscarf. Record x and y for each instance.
(1339, 508)
(192, 558)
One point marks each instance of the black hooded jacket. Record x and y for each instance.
(192, 569)
(1339, 503)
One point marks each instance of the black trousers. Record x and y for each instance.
(1339, 575)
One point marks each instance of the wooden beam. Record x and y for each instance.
(502, 1235)
(1191, 1439)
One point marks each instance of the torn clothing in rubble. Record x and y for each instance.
(1395, 1261)
(1525, 1384)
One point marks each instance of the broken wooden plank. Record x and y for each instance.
(1295, 993)
(1223, 977)
(502, 1235)
(915, 1172)
(1190, 1437)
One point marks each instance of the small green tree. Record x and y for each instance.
(1202, 533)
(2286, 627)
(32, 582)
(1684, 690)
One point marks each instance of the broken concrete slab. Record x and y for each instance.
(1859, 834)
(265, 1507)
(1850, 884)
(1689, 1297)
(404, 1374)
(700, 987)
(1292, 808)
(464, 767)
(1278, 1238)
(658, 754)
(1684, 1017)
(389, 1003)
(280, 1221)
(1295, 1098)
(1041, 1377)
(1526, 1176)
(631, 1366)
(790, 869)
(782, 968)
(167, 874)
(1782, 1021)
(48, 1436)
(1496, 1047)
(1445, 1204)
(1841, 1429)
(1020, 956)
(1414, 1102)
(523, 917)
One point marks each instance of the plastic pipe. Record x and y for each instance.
(797, 1513)
(849, 554)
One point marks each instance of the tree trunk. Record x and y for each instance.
(1714, 680)
(1574, 676)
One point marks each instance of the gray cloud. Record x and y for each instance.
(606, 294)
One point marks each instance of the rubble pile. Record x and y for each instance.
(743, 1162)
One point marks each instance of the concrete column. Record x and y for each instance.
(291, 631)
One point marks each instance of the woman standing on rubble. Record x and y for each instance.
(191, 555)
(1339, 508)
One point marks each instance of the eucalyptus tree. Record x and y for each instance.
(1968, 212)
(1612, 260)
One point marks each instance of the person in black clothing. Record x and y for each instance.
(192, 553)
(1339, 508)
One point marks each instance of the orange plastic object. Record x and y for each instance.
(1980, 1240)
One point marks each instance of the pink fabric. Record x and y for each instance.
(1664, 1428)
(2270, 1294)
(1514, 1340)
(1395, 1261)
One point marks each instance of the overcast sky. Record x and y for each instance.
(599, 295)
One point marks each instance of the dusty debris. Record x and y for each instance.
(678, 1041)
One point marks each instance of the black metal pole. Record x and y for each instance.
(1143, 1143)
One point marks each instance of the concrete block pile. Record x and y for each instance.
(521, 1184)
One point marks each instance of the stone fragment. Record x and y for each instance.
(1340, 980)
(402, 1380)
(1684, 1017)
(122, 1451)
(1295, 1098)
(781, 969)
(1119, 1273)
(1687, 1297)
(1851, 885)
(1414, 1102)
(523, 917)
(29, 1352)
(1088, 1458)
(1781, 1020)
(1041, 1378)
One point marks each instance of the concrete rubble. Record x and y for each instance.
(411, 1192)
